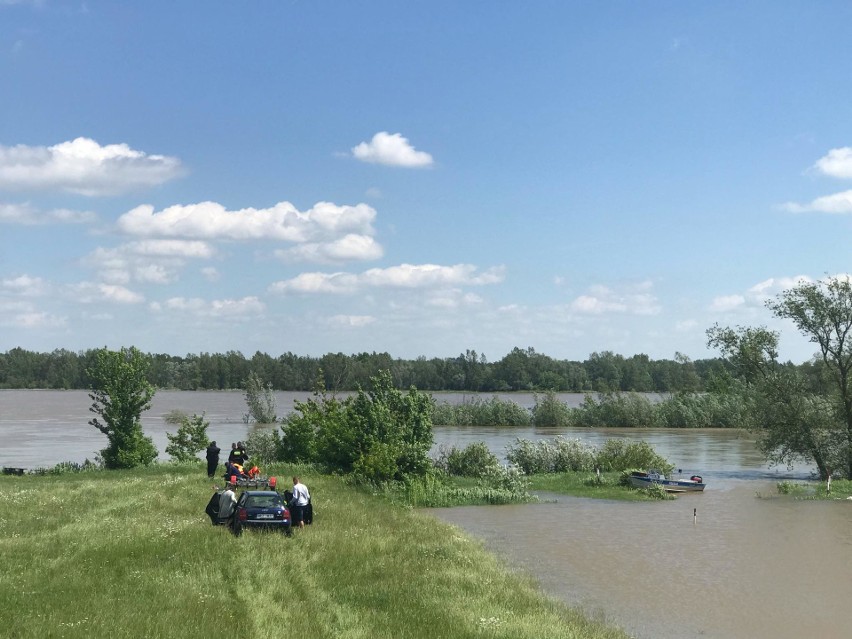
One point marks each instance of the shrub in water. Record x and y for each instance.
(621, 454)
(474, 460)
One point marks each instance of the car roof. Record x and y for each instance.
(258, 493)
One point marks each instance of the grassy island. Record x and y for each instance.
(132, 554)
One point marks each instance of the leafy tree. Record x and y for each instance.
(822, 311)
(798, 419)
(190, 438)
(120, 393)
(260, 400)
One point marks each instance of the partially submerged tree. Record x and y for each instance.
(794, 420)
(190, 438)
(260, 399)
(120, 394)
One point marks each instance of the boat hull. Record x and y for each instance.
(669, 485)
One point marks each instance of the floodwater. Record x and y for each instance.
(733, 562)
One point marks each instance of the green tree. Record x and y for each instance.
(260, 399)
(120, 393)
(797, 419)
(822, 311)
(190, 438)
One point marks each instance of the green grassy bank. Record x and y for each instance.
(132, 554)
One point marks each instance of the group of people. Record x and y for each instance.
(298, 501)
(238, 456)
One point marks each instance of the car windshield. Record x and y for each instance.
(263, 501)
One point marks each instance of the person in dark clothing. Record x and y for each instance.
(232, 455)
(212, 458)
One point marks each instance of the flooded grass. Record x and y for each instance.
(132, 554)
(587, 484)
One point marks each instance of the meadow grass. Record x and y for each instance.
(840, 489)
(132, 554)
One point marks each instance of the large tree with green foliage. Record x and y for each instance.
(796, 418)
(120, 393)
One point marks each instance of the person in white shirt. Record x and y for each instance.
(299, 502)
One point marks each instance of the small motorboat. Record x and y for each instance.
(642, 480)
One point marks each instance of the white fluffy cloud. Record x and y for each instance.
(836, 163)
(410, 276)
(351, 247)
(283, 222)
(637, 300)
(90, 293)
(243, 308)
(837, 203)
(151, 261)
(725, 303)
(27, 214)
(24, 285)
(83, 166)
(350, 321)
(391, 149)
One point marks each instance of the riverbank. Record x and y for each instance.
(132, 554)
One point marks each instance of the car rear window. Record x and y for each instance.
(263, 501)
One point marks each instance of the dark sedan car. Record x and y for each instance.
(263, 509)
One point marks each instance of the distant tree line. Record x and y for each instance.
(519, 370)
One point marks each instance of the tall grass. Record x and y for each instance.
(126, 554)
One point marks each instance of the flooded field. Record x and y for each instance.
(734, 562)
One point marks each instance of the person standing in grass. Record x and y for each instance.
(299, 502)
(227, 502)
(212, 458)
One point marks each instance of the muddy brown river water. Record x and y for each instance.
(749, 565)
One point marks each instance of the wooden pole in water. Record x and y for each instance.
(694, 516)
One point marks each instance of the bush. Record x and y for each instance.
(475, 460)
(615, 410)
(380, 434)
(622, 454)
(264, 447)
(555, 456)
(479, 412)
(549, 410)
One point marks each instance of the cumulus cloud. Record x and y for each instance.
(211, 220)
(837, 203)
(29, 215)
(391, 150)
(351, 247)
(151, 261)
(727, 302)
(350, 321)
(773, 286)
(406, 276)
(31, 319)
(638, 300)
(244, 308)
(836, 163)
(24, 285)
(85, 167)
(91, 293)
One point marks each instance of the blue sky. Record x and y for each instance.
(420, 178)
